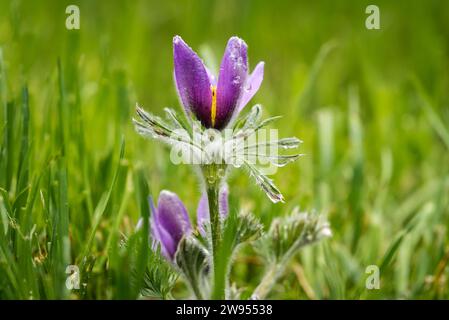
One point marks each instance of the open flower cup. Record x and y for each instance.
(215, 100)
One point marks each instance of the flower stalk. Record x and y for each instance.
(216, 137)
(267, 283)
(213, 174)
(272, 275)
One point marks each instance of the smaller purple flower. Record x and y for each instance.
(215, 102)
(202, 212)
(169, 222)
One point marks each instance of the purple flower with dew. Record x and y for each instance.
(202, 212)
(169, 222)
(215, 102)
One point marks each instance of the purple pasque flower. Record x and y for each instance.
(202, 212)
(212, 101)
(169, 222)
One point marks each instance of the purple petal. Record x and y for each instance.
(192, 81)
(223, 201)
(202, 212)
(160, 236)
(172, 220)
(168, 244)
(251, 86)
(233, 73)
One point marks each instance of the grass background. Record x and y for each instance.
(370, 105)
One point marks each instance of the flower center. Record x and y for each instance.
(213, 109)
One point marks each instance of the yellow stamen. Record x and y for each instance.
(213, 109)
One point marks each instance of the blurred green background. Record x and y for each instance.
(370, 105)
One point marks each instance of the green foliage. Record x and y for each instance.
(160, 277)
(289, 234)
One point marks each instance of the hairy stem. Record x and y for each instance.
(213, 180)
(212, 195)
(268, 281)
(276, 270)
